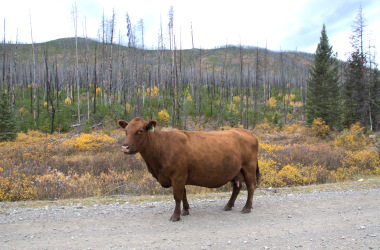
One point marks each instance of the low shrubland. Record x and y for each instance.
(57, 166)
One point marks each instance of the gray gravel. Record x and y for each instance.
(345, 219)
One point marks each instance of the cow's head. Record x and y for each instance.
(137, 133)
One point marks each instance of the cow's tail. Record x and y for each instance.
(258, 175)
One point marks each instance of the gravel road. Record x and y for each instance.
(320, 218)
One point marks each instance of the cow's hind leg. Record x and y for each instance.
(251, 182)
(236, 184)
(185, 210)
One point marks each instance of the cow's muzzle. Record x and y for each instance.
(127, 149)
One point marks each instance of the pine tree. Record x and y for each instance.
(323, 96)
(375, 99)
(356, 91)
(7, 119)
(351, 89)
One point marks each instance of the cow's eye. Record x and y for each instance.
(140, 132)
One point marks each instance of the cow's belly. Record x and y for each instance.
(212, 175)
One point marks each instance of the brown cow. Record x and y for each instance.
(208, 159)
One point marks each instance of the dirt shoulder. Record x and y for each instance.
(344, 215)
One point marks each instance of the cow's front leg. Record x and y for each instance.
(178, 191)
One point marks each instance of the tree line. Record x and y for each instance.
(342, 100)
(70, 82)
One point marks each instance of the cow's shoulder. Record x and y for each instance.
(175, 136)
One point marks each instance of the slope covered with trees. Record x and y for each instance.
(199, 83)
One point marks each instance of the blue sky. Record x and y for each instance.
(286, 25)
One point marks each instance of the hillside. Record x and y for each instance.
(64, 49)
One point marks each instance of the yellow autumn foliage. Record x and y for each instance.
(151, 92)
(289, 99)
(128, 107)
(291, 129)
(90, 142)
(163, 117)
(290, 175)
(320, 128)
(44, 166)
(272, 102)
(16, 187)
(236, 99)
(265, 128)
(98, 91)
(68, 100)
(352, 139)
(232, 109)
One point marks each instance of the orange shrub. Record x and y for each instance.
(236, 99)
(265, 128)
(16, 187)
(90, 142)
(290, 175)
(272, 102)
(163, 118)
(320, 128)
(352, 139)
(268, 170)
(367, 161)
(152, 92)
(291, 129)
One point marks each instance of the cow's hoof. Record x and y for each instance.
(185, 212)
(246, 211)
(227, 208)
(174, 219)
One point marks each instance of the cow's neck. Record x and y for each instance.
(152, 150)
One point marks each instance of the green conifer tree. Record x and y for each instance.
(8, 131)
(351, 91)
(323, 96)
(375, 99)
(357, 93)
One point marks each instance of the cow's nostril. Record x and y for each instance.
(125, 148)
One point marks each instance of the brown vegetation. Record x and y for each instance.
(41, 166)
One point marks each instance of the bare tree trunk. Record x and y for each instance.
(143, 83)
(241, 84)
(200, 87)
(95, 78)
(76, 56)
(265, 76)
(3, 58)
(110, 76)
(222, 77)
(49, 94)
(282, 79)
(247, 99)
(171, 43)
(87, 73)
(33, 85)
(57, 81)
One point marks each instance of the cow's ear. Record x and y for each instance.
(122, 123)
(151, 125)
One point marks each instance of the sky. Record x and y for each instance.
(275, 24)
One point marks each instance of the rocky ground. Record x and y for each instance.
(343, 216)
